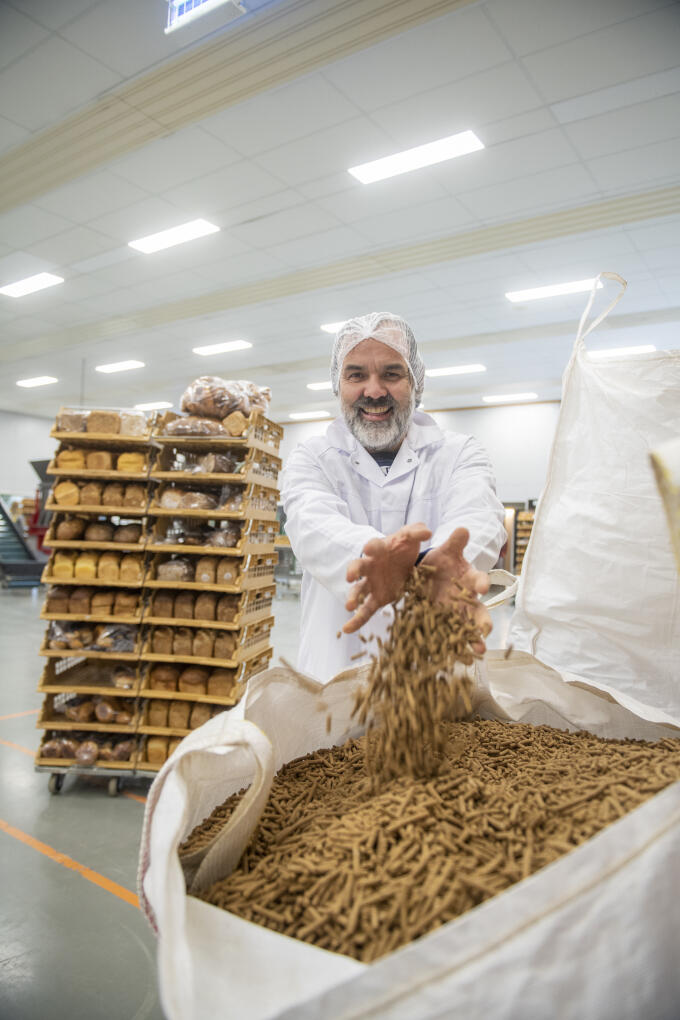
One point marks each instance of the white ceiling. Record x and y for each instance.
(110, 130)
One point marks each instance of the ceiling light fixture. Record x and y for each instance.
(38, 380)
(621, 352)
(554, 290)
(509, 398)
(320, 385)
(182, 12)
(156, 405)
(455, 370)
(120, 366)
(413, 159)
(333, 327)
(175, 235)
(32, 283)
(308, 415)
(229, 345)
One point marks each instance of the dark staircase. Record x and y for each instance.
(19, 566)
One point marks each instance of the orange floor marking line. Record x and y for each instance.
(134, 796)
(19, 747)
(68, 862)
(17, 715)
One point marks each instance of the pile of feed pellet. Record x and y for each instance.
(365, 847)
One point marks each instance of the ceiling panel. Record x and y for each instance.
(19, 34)
(643, 123)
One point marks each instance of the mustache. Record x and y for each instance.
(368, 404)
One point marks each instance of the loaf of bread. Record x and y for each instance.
(63, 564)
(87, 752)
(80, 601)
(205, 605)
(126, 603)
(86, 566)
(182, 641)
(176, 569)
(123, 749)
(70, 529)
(131, 463)
(156, 750)
(193, 679)
(227, 608)
(195, 426)
(163, 604)
(66, 494)
(173, 744)
(99, 531)
(112, 494)
(135, 495)
(106, 710)
(217, 463)
(226, 537)
(178, 715)
(171, 498)
(105, 422)
(124, 677)
(91, 493)
(206, 567)
(161, 640)
(203, 643)
(200, 713)
(101, 603)
(71, 421)
(235, 423)
(225, 645)
(70, 458)
(184, 605)
(108, 567)
(58, 600)
(220, 683)
(197, 501)
(133, 423)
(227, 571)
(217, 397)
(128, 533)
(79, 709)
(131, 568)
(163, 678)
(157, 713)
(99, 460)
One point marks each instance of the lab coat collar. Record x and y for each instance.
(422, 432)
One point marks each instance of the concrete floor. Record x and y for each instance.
(73, 943)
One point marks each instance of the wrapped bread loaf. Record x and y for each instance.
(123, 749)
(131, 463)
(133, 423)
(216, 397)
(163, 605)
(206, 567)
(195, 426)
(198, 501)
(66, 494)
(70, 458)
(108, 567)
(105, 422)
(227, 571)
(177, 569)
(79, 709)
(112, 494)
(124, 677)
(99, 460)
(226, 537)
(171, 498)
(71, 421)
(217, 463)
(70, 529)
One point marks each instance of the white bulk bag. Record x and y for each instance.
(599, 596)
(597, 931)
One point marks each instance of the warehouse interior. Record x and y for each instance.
(250, 117)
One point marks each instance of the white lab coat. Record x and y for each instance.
(336, 498)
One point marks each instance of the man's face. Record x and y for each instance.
(376, 395)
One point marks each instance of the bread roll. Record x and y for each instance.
(66, 494)
(193, 679)
(184, 605)
(71, 421)
(182, 641)
(99, 460)
(157, 712)
(91, 494)
(133, 423)
(131, 568)
(156, 750)
(200, 713)
(178, 715)
(206, 567)
(105, 422)
(225, 645)
(86, 566)
(69, 458)
(98, 531)
(131, 463)
(102, 603)
(126, 603)
(58, 600)
(161, 640)
(205, 605)
(227, 571)
(135, 495)
(70, 529)
(203, 643)
(112, 494)
(108, 567)
(63, 564)
(163, 678)
(227, 608)
(220, 683)
(175, 569)
(128, 533)
(163, 604)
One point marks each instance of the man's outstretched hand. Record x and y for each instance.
(382, 571)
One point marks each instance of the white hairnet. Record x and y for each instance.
(389, 329)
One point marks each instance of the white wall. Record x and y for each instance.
(517, 439)
(22, 438)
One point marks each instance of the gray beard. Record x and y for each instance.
(375, 435)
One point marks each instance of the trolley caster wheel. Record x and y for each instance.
(114, 786)
(55, 782)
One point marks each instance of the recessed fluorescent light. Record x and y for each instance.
(120, 366)
(414, 159)
(154, 406)
(534, 293)
(333, 327)
(229, 345)
(509, 398)
(181, 13)
(455, 370)
(39, 380)
(320, 385)
(32, 283)
(308, 415)
(175, 235)
(622, 352)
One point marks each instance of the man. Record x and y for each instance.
(383, 489)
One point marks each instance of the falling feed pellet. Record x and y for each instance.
(363, 848)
